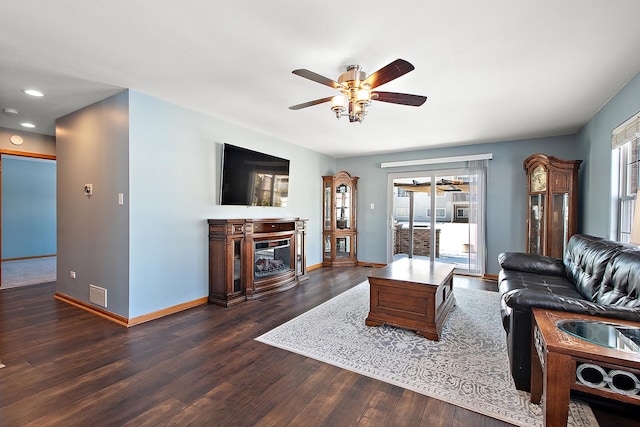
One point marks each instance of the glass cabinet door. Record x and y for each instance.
(327, 246)
(343, 247)
(327, 205)
(343, 205)
(299, 254)
(559, 224)
(536, 223)
(237, 267)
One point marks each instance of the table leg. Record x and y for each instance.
(556, 384)
(536, 374)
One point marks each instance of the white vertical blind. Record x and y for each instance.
(477, 211)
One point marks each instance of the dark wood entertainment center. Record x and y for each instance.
(253, 258)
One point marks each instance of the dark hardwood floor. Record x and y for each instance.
(66, 367)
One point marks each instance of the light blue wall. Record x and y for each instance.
(169, 173)
(506, 188)
(174, 173)
(152, 252)
(594, 145)
(28, 207)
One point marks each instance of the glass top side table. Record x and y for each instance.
(611, 335)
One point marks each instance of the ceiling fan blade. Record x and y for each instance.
(389, 72)
(310, 103)
(319, 79)
(399, 98)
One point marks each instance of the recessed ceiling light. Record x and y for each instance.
(10, 111)
(27, 125)
(33, 92)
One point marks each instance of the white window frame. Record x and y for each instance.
(625, 143)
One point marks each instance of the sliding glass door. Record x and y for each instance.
(438, 215)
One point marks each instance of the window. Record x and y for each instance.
(626, 170)
(402, 212)
(402, 192)
(459, 197)
(441, 213)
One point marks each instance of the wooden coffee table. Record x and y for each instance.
(561, 362)
(412, 294)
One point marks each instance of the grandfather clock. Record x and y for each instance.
(552, 201)
(339, 230)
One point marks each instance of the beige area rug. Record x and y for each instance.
(28, 272)
(468, 367)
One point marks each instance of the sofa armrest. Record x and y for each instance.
(525, 299)
(531, 263)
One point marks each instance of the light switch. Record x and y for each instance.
(121, 199)
(372, 206)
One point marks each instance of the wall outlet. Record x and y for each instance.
(72, 274)
(88, 189)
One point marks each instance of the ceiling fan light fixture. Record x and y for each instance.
(357, 112)
(363, 96)
(356, 90)
(338, 105)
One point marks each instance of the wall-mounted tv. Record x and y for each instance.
(250, 178)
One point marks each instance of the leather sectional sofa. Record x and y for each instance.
(597, 277)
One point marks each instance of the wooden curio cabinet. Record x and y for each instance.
(552, 201)
(339, 229)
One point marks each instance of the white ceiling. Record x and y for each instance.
(493, 70)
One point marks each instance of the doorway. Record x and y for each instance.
(438, 215)
(28, 218)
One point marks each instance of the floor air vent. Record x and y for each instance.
(98, 295)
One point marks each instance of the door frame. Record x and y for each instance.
(19, 154)
(431, 174)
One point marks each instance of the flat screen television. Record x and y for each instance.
(251, 178)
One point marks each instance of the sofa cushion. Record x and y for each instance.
(553, 285)
(537, 284)
(621, 281)
(585, 262)
(532, 263)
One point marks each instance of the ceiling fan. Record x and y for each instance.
(357, 89)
